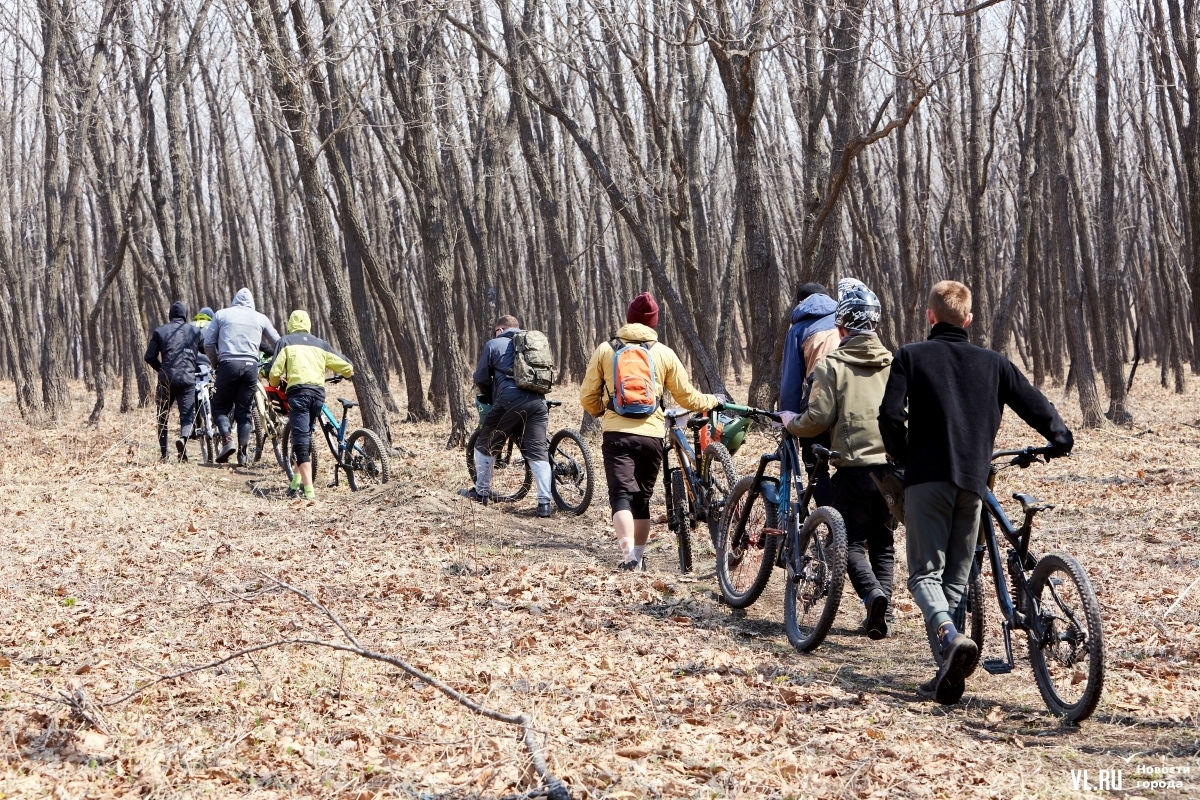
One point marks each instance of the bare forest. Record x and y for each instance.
(408, 170)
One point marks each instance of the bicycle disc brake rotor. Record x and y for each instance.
(810, 582)
(1063, 645)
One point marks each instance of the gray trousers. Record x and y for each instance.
(941, 527)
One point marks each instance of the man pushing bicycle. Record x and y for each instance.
(514, 372)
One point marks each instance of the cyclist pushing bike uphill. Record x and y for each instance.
(300, 362)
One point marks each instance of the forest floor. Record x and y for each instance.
(118, 568)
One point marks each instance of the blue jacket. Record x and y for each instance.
(812, 315)
(493, 372)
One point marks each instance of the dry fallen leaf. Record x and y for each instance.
(634, 752)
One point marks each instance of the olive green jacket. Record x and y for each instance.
(847, 389)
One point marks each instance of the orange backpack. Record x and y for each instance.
(634, 382)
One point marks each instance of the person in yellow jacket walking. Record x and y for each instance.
(300, 363)
(624, 384)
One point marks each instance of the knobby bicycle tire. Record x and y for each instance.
(260, 430)
(719, 477)
(572, 482)
(738, 547)
(677, 516)
(823, 572)
(1066, 652)
(366, 459)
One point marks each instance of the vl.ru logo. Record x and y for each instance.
(1106, 780)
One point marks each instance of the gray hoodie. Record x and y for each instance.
(239, 333)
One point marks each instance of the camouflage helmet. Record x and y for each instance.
(857, 308)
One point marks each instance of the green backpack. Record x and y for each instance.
(533, 362)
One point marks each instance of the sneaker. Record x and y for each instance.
(875, 623)
(482, 498)
(928, 689)
(228, 448)
(163, 457)
(629, 566)
(181, 448)
(294, 492)
(309, 493)
(544, 508)
(958, 656)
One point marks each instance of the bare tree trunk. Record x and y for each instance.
(281, 69)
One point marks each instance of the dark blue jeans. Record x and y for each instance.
(304, 407)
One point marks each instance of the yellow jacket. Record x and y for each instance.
(301, 358)
(668, 373)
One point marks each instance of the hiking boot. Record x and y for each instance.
(181, 448)
(482, 498)
(163, 457)
(958, 656)
(228, 448)
(544, 508)
(928, 689)
(876, 623)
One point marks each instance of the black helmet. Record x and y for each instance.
(857, 308)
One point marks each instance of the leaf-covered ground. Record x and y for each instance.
(118, 569)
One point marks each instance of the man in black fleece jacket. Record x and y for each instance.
(955, 393)
(172, 353)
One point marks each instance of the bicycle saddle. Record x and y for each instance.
(696, 423)
(347, 403)
(553, 403)
(1030, 504)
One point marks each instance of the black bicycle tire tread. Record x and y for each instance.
(677, 516)
(285, 440)
(1086, 705)
(719, 453)
(365, 433)
(259, 429)
(498, 498)
(833, 598)
(765, 567)
(589, 469)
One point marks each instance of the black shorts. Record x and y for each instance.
(631, 465)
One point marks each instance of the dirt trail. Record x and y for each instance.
(119, 568)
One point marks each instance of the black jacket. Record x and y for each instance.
(956, 393)
(173, 347)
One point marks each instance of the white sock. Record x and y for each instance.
(626, 550)
(638, 549)
(542, 477)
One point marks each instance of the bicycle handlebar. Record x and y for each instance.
(1029, 455)
(335, 379)
(748, 411)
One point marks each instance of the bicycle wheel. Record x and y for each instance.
(719, 477)
(1068, 662)
(289, 457)
(282, 427)
(746, 553)
(366, 459)
(571, 464)
(813, 593)
(260, 431)
(677, 519)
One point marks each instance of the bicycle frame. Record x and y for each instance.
(687, 454)
(1028, 616)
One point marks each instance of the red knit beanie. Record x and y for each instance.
(643, 309)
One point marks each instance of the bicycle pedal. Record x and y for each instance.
(996, 666)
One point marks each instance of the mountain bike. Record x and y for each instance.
(203, 427)
(570, 461)
(810, 545)
(1051, 600)
(361, 455)
(696, 490)
(268, 416)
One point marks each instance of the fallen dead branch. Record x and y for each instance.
(553, 788)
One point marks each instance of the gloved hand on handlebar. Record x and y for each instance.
(1057, 451)
(722, 399)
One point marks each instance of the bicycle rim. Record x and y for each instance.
(571, 463)
(511, 476)
(677, 516)
(1068, 663)
(815, 577)
(745, 553)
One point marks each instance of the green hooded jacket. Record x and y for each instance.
(847, 390)
(301, 358)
